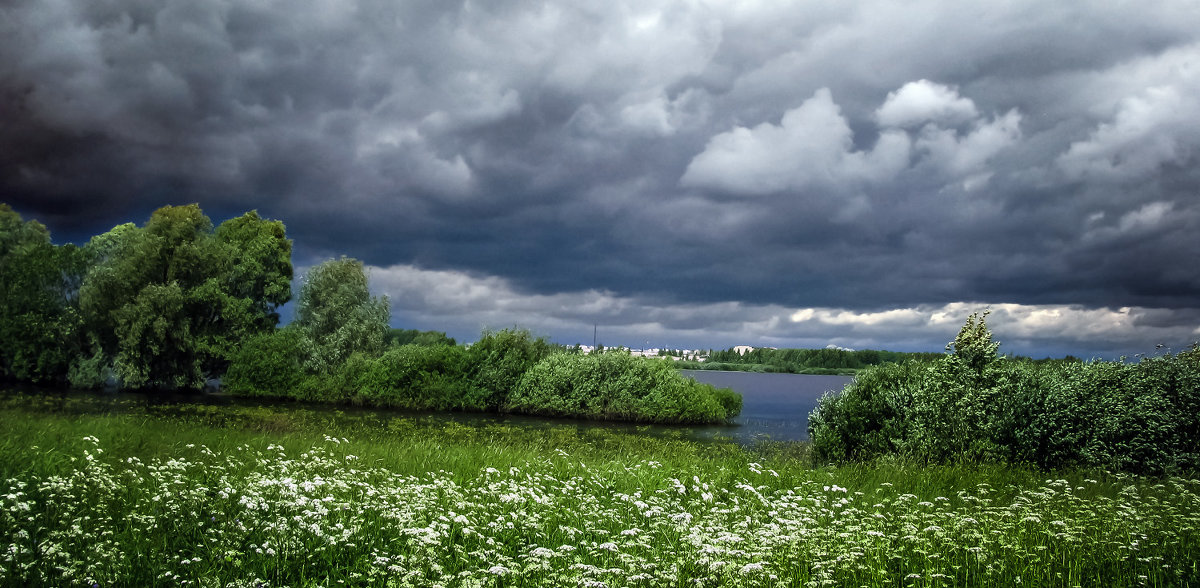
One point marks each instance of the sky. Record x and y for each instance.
(690, 174)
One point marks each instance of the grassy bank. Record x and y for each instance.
(216, 496)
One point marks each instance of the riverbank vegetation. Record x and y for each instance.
(257, 496)
(974, 405)
(827, 361)
(180, 304)
(505, 371)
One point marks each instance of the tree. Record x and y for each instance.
(973, 345)
(39, 321)
(399, 337)
(168, 304)
(337, 315)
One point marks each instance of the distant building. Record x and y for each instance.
(742, 349)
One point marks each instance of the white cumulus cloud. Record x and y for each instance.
(812, 146)
(920, 102)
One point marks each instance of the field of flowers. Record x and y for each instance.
(255, 499)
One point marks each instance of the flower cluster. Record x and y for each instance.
(323, 517)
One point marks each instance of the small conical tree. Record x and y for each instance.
(973, 345)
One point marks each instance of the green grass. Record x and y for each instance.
(281, 496)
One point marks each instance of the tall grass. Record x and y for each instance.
(228, 496)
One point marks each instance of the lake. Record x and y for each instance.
(775, 407)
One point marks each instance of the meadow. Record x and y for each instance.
(194, 495)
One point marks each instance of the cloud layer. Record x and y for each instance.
(697, 168)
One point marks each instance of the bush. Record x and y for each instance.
(498, 360)
(617, 386)
(730, 401)
(417, 377)
(870, 417)
(1145, 414)
(267, 365)
(975, 405)
(1047, 420)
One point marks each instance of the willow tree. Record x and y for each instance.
(167, 304)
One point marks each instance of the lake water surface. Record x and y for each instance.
(774, 406)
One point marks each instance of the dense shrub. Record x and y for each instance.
(870, 417)
(972, 404)
(417, 377)
(507, 370)
(266, 365)
(730, 401)
(618, 386)
(398, 337)
(1145, 414)
(497, 361)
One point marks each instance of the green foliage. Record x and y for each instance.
(973, 345)
(337, 316)
(156, 344)
(800, 361)
(974, 405)
(870, 417)
(730, 401)
(398, 337)
(417, 377)
(618, 386)
(508, 370)
(90, 372)
(256, 263)
(40, 327)
(170, 302)
(268, 364)
(499, 359)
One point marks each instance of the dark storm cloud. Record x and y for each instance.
(688, 168)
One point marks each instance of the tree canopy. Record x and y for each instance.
(337, 316)
(161, 305)
(39, 325)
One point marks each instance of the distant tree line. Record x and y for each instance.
(800, 361)
(178, 303)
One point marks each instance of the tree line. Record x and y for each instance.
(178, 303)
(801, 361)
